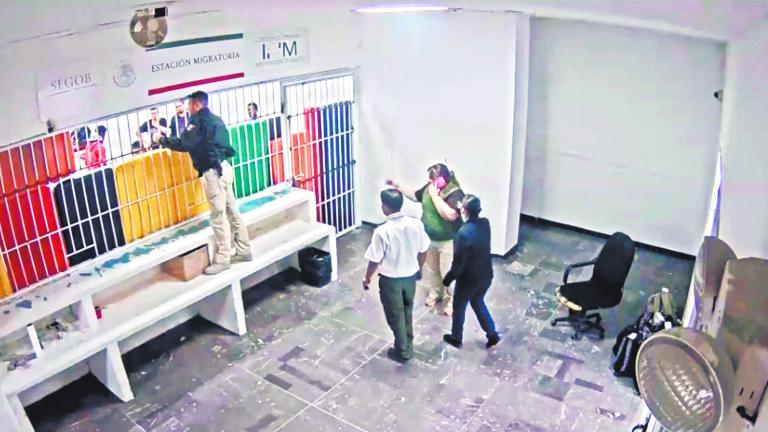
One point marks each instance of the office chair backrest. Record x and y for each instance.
(614, 261)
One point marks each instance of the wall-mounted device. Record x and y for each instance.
(149, 26)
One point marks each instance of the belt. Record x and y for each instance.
(381, 276)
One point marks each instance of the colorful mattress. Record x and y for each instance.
(251, 162)
(36, 163)
(187, 186)
(5, 282)
(31, 243)
(89, 215)
(338, 209)
(146, 195)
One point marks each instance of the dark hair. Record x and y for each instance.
(199, 96)
(102, 131)
(253, 104)
(471, 205)
(439, 170)
(154, 109)
(393, 199)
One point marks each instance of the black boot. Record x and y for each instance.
(392, 354)
(492, 341)
(450, 340)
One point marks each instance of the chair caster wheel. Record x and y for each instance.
(553, 323)
(601, 336)
(576, 336)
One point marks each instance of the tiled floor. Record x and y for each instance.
(314, 359)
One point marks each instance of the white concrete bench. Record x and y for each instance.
(141, 301)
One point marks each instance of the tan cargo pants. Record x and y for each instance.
(439, 260)
(226, 221)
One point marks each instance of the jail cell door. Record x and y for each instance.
(319, 116)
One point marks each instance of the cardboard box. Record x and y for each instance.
(189, 265)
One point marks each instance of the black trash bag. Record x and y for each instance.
(315, 266)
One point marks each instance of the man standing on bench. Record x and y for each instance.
(206, 139)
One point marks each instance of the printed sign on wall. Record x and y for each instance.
(89, 90)
(275, 49)
(68, 89)
(181, 64)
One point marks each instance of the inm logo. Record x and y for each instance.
(290, 50)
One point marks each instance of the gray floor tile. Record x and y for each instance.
(327, 345)
(314, 420)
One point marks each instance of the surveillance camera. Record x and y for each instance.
(49, 124)
(719, 95)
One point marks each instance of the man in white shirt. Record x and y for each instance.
(398, 250)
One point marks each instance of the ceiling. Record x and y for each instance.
(714, 19)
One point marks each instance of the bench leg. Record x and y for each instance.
(108, 367)
(14, 417)
(86, 314)
(225, 308)
(334, 257)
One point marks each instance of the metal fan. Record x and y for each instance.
(686, 379)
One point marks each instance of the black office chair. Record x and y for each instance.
(603, 290)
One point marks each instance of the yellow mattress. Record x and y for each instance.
(187, 186)
(5, 282)
(156, 190)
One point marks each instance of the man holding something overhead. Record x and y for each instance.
(206, 139)
(398, 250)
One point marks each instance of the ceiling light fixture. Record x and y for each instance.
(401, 9)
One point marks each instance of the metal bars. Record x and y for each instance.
(77, 194)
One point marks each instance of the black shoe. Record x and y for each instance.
(492, 341)
(450, 340)
(392, 354)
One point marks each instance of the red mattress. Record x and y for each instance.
(36, 163)
(314, 128)
(31, 243)
(276, 161)
(305, 159)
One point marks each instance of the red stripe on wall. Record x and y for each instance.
(183, 85)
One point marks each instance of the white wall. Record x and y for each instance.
(716, 20)
(744, 202)
(622, 131)
(332, 46)
(439, 87)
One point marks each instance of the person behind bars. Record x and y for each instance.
(439, 199)
(206, 139)
(473, 272)
(397, 251)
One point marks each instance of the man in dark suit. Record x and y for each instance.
(473, 272)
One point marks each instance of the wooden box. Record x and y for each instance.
(189, 265)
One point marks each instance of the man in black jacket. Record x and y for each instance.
(206, 139)
(473, 272)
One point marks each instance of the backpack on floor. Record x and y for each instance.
(631, 337)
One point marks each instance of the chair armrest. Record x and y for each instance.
(577, 265)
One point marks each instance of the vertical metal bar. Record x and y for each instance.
(354, 135)
(285, 148)
(164, 189)
(109, 205)
(125, 214)
(245, 158)
(134, 173)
